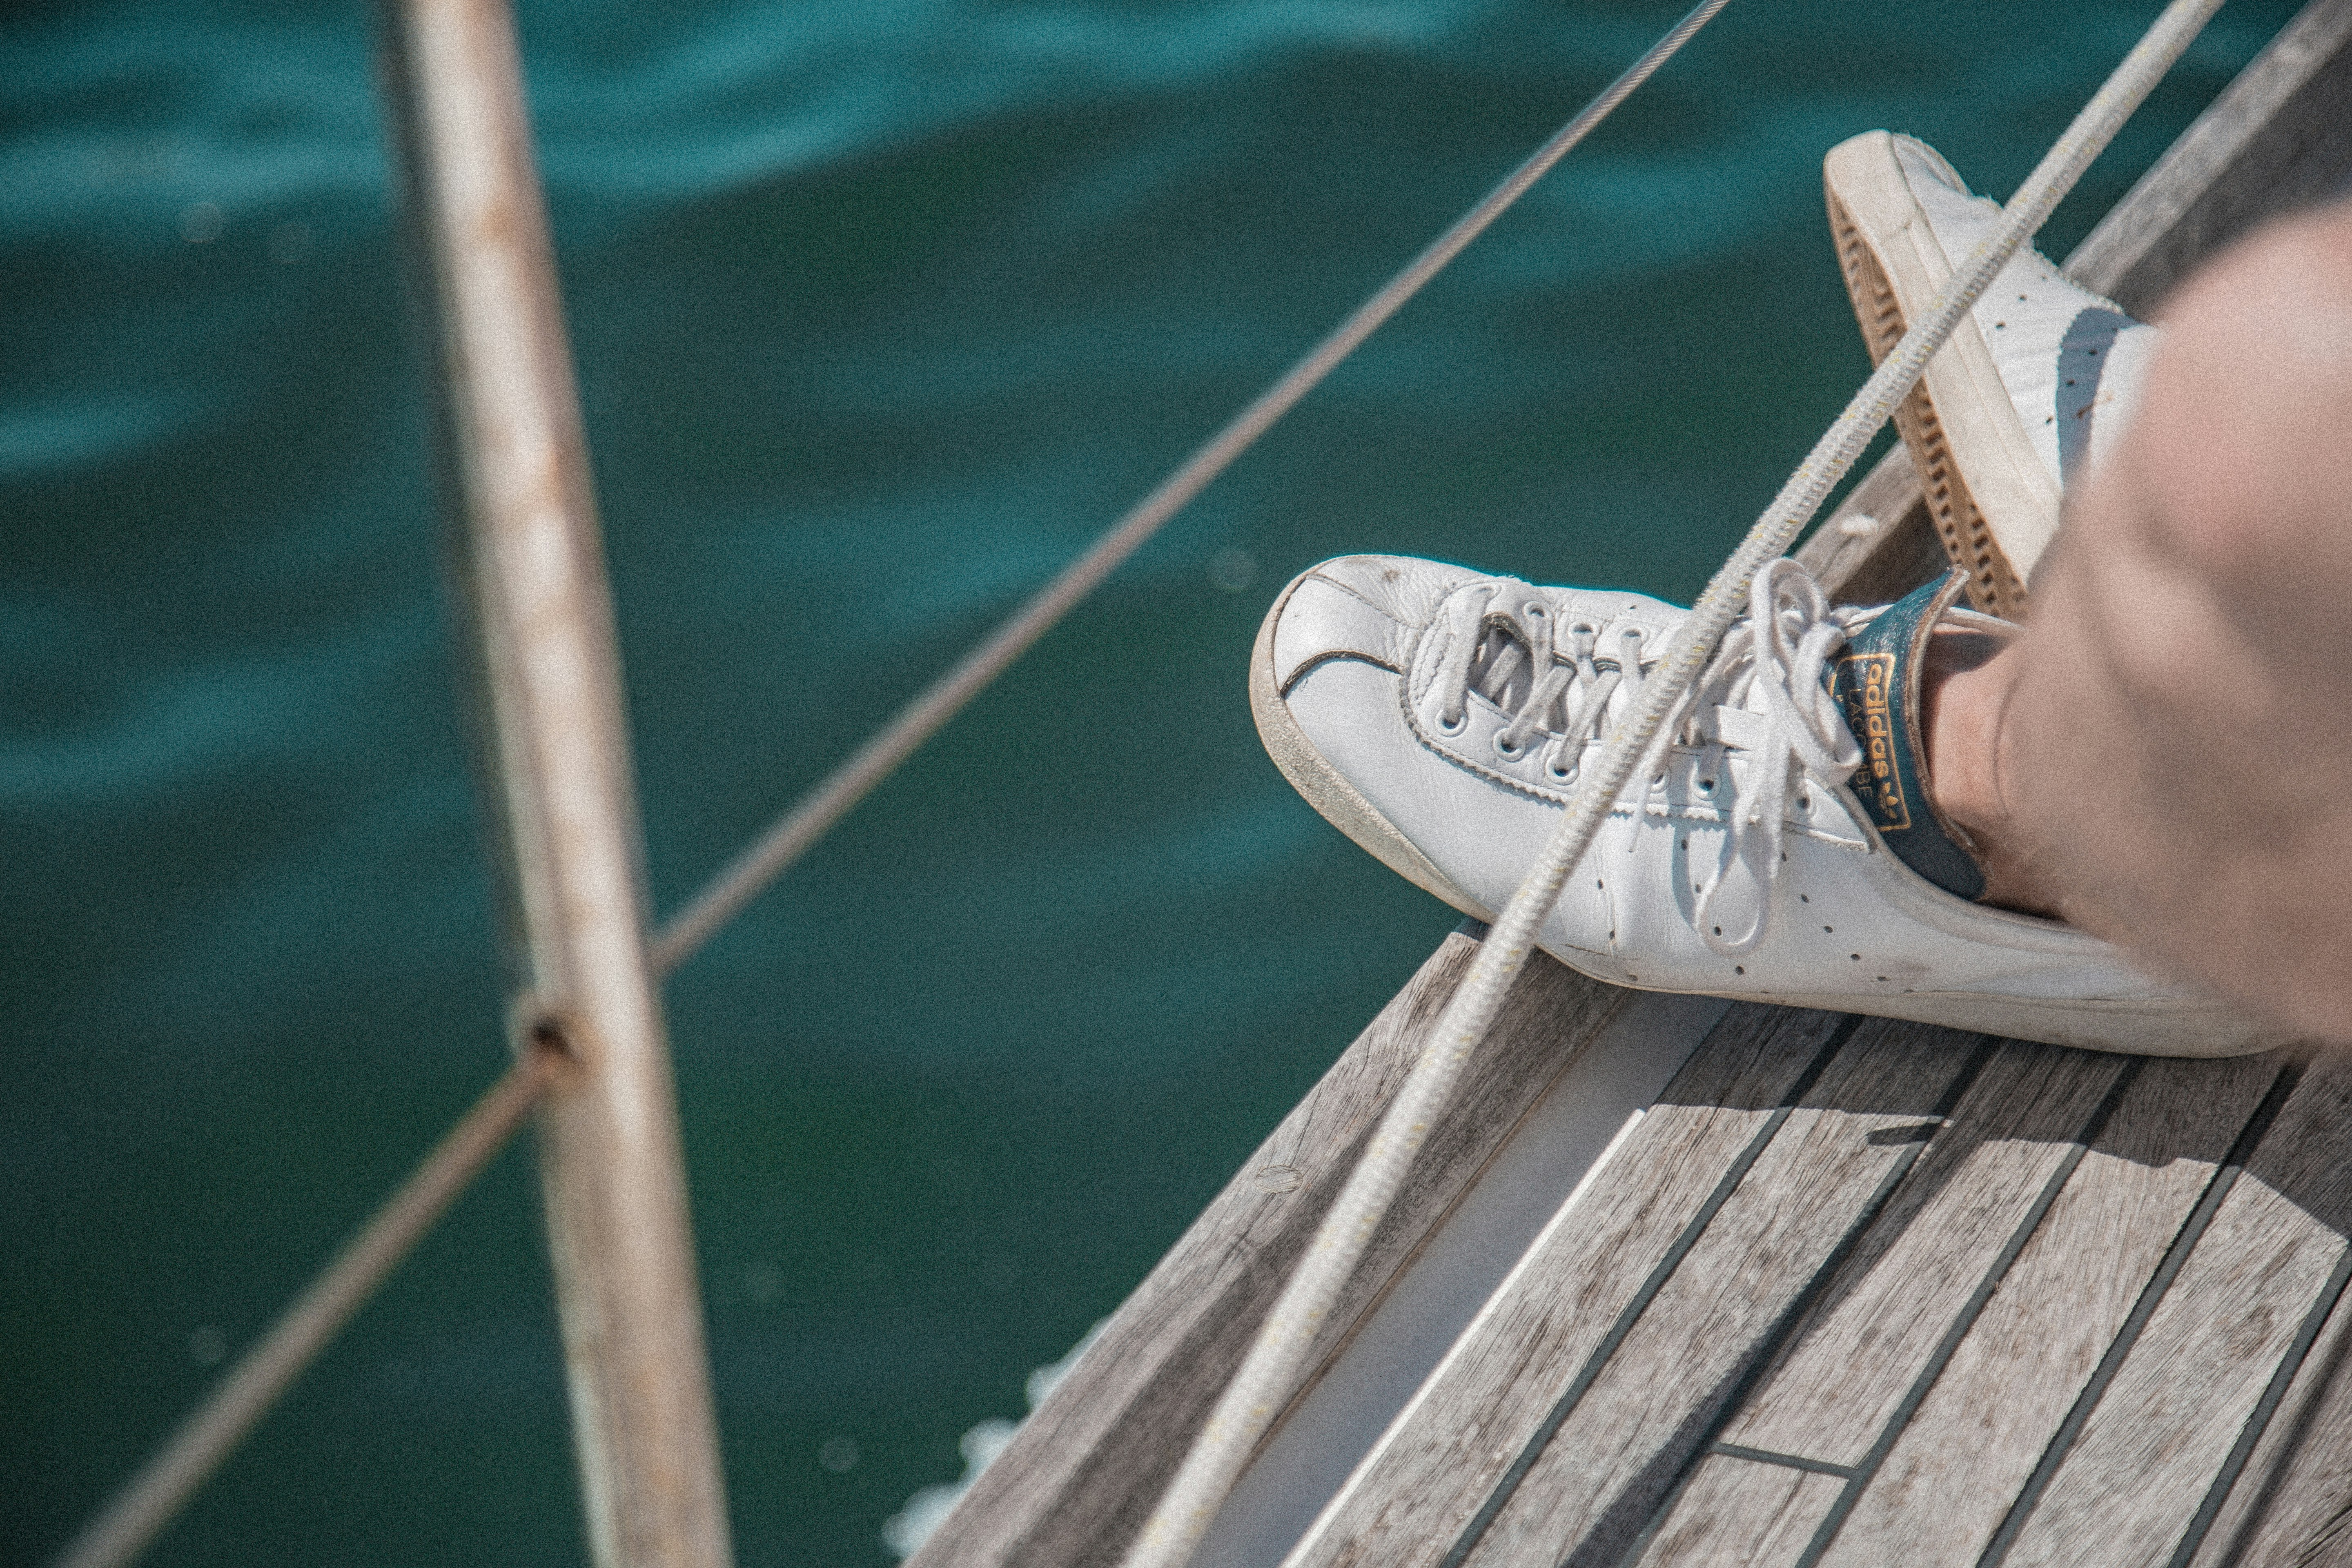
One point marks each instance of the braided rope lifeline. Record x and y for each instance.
(1271, 1371)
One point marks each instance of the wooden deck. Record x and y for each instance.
(1684, 1282)
(1864, 1292)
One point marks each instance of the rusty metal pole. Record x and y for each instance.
(549, 669)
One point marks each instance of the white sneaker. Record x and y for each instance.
(2030, 389)
(1439, 717)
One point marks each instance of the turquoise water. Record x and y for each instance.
(881, 312)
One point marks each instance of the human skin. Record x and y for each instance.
(2164, 757)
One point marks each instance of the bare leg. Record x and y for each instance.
(2165, 757)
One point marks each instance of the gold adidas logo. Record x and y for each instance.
(1867, 679)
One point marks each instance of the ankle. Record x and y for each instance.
(1965, 693)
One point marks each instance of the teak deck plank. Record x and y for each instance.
(1079, 1477)
(1881, 1320)
(1949, 1480)
(2148, 1456)
(1609, 1465)
(2293, 1503)
(1739, 1513)
(1443, 1456)
(2278, 137)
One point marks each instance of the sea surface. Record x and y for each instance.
(881, 312)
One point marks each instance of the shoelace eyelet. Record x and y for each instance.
(1790, 631)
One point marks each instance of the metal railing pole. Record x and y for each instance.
(547, 665)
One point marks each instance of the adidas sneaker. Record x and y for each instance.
(2029, 390)
(1787, 848)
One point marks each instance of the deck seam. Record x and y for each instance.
(1768, 1456)
(2225, 1480)
(2257, 1512)
(1863, 1473)
(1598, 1360)
(2151, 1296)
(1768, 1352)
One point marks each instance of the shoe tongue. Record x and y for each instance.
(1875, 681)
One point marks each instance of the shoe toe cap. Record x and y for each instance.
(1366, 608)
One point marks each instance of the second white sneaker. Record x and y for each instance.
(2028, 392)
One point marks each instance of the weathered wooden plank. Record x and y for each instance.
(1950, 1477)
(1737, 1513)
(1442, 1457)
(1076, 1482)
(2292, 1503)
(1893, 1303)
(2279, 137)
(1616, 1452)
(2131, 1485)
(1553, 1157)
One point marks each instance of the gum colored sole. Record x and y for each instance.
(1994, 584)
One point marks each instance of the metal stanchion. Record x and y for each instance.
(558, 759)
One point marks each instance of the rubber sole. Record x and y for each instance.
(1997, 579)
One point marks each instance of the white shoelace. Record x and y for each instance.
(1762, 696)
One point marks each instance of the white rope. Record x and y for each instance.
(1271, 1371)
(805, 823)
